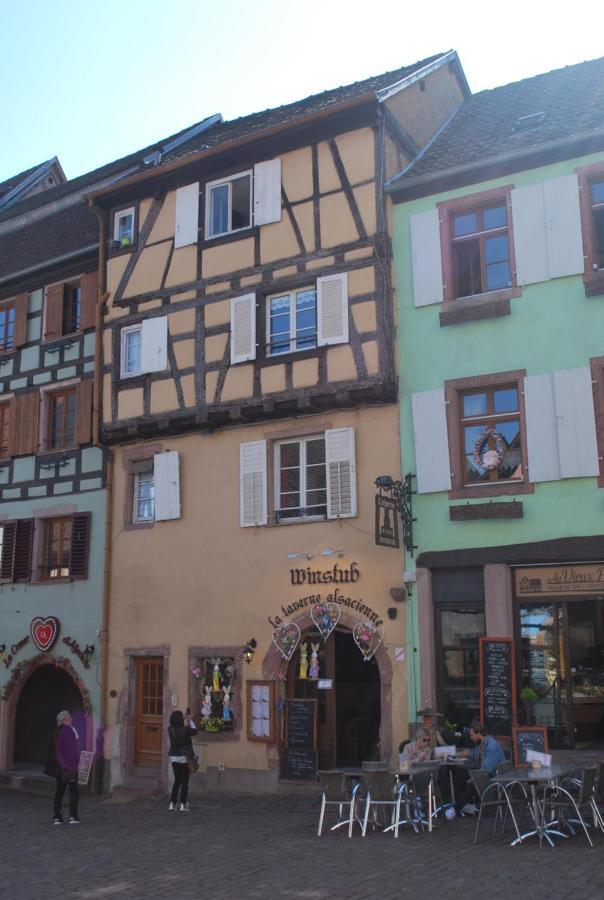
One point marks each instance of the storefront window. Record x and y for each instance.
(215, 686)
(459, 629)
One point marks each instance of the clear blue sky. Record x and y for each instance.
(93, 80)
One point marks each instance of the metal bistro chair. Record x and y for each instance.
(335, 793)
(379, 789)
(560, 800)
(493, 796)
(423, 796)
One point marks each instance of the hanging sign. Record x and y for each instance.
(44, 632)
(326, 616)
(84, 766)
(367, 638)
(286, 638)
(386, 522)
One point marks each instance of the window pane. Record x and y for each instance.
(279, 328)
(219, 209)
(496, 249)
(132, 348)
(145, 496)
(315, 451)
(597, 192)
(474, 473)
(289, 454)
(599, 236)
(494, 218)
(467, 267)
(306, 320)
(474, 405)
(125, 227)
(462, 626)
(511, 467)
(498, 276)
(465, 224)
(240, 199)
(461, 667)
(505, 400)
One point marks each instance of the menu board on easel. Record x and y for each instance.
(299, 755)
(497, 684)
(530, 737)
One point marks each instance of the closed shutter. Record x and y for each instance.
(541, 431)
(80, 543)
(20, 334)
(267, 192)
(84, 411)
(23, 549)
(154, 344)
(252, 484)
(166, 478)
(576, 424)
(187, 215)
(243, 328)
(53, 312)
(563, 226)
(530, 239)
(9, 542)
(426, 258)
(341, 473)
(89, 288)
(24, 433)
(431, 438)
(332, 310)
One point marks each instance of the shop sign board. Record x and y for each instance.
(497, 684)
(386, 522)
(533, 737)
(84, 766)
(559, 581)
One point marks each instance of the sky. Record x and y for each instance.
(93, 80)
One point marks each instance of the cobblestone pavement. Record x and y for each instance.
(256, 847)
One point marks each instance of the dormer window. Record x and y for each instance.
(229, 205)
(123, 228)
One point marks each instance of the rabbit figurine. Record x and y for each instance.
(216, 676)
(314, 661)
(226, 703)
(303, 673)
(206, 706)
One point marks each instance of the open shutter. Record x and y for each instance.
(80, 543)
(341, 473)
(332, 310)
(563, 226)
(187, 215)
(426, 258)
(24, 432)
(23, 549)
(576, 423)
(84, 411)
(20, 334)
(166, 476)
(252, 484)
(9, 542)
(89, 288)
(431, 438)
(243, 328)
(541, 431)
(267, 192)
(154, 344)
(530, 239)
(53, 313)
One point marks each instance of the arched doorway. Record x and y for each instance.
(348, 694)
(47, 691)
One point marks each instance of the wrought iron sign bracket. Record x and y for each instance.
(402, 493)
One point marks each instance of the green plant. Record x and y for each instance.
(529, 696)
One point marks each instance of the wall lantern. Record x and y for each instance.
(249, 650)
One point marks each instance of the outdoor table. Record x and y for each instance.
(534, 777)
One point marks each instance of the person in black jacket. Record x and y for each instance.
(181, 749)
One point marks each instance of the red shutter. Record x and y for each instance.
(9, 540)
(23, 548)
(84, 411)
(89, 286)
(53, 323)
(20, 320)
(80, 539)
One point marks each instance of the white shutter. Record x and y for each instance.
(154, 344)
(166, 478)
(563, 225)
(431, 438)
(267, 192)
(332, 310)
(541, 430)
(243, 328)
(252, 484)
(187, 215)
(576, 423)
(341, 473)
(426, 259)
(530, 239)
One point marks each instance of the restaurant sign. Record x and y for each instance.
(560, 581)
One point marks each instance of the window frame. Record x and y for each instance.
(118, 215)
(477, 202)
(596, 365)
(130, 457)
(454, 391)
(6, 306)
(302, 439)
(291, 293)
(68, 286)
(210, 186)
(125, 331)
(136, 519)
(47, 524)
(586, 176)
(51, 397)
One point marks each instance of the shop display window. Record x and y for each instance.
(261, 711)
(215, 685)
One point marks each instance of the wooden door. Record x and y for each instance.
(149, 710)
(307, 688)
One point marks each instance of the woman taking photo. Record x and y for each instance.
(181, 750)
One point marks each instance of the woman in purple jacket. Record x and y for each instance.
(67, 757)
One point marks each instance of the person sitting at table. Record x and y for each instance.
(429, 724)
(419, 750)
(487, 753)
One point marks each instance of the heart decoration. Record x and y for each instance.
(325, 616)
(367, 638)
(44, 632)
(286, 638)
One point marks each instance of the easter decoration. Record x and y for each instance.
(368, 638)
(314, 660)
(303, 673)
(326, 616)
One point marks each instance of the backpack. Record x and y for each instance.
(52, 766)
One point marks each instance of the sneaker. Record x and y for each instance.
(450, 813)
(172, 807)
(74, 820)
(57, 820)
(469, 809)
(184, 807)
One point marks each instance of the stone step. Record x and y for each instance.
(33, 782)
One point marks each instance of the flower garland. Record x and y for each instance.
(489, 459)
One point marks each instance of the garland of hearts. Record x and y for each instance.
(23, 670)
(489, 459)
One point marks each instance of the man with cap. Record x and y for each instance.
(67, 757)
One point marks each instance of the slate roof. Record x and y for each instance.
(572, 99)
(10, 183)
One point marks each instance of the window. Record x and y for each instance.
(7, 326)
(123, 228)
(56, 560)
(291, 321)
(5, 429)
(481, 250)
(72, 304)
(131, 350)
(62, 419)
(596, 201)
(300, 478)
(143, 484)
(229, 205)
(144, 347)
(490, 432)
(458, 630)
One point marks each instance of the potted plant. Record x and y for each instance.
(528, 697)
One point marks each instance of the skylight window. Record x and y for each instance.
(526, 123)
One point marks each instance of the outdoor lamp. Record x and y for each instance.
(249, 650)
(89, 649)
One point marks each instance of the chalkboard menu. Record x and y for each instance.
(529, 738)
(298, 765)
(497, 684)
(300, 724)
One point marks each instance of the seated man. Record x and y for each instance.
(486, 754)
(419, 750)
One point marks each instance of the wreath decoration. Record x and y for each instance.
(486, 458)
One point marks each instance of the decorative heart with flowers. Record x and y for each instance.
(44, 632)
(368, 638)
(325, 616)
(286, 638)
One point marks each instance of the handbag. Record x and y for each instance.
(193, 763)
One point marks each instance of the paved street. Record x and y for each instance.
(242, 846)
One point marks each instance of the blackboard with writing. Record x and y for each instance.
(301, 724)
(298, 765)
(497, 684)
(529, 738)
